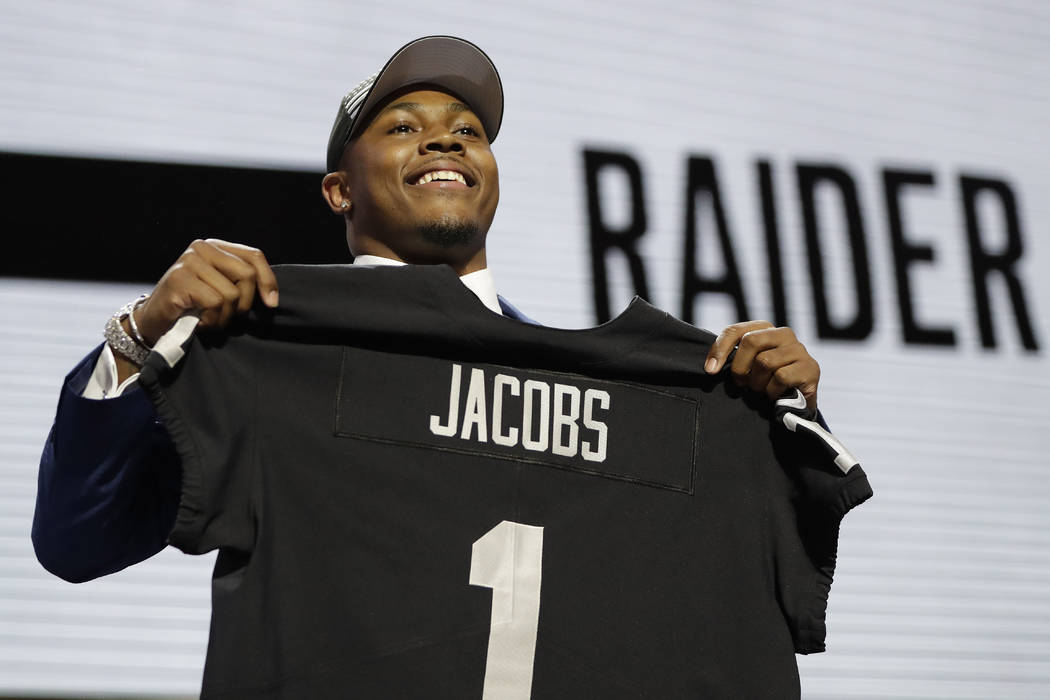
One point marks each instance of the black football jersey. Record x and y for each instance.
(413, 497)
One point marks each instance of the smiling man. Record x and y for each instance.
(412, 172)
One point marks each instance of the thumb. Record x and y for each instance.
(719, 351)
(809, 391)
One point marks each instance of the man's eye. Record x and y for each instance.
(467, 131)
(401, 129)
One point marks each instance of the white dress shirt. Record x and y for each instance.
(103, 381)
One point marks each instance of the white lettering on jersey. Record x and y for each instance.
(565, 420)
(540, 442)
(509, 560)
(550, 415)
(475, 413)
(595, 454)
(510, 439)
(453, 408)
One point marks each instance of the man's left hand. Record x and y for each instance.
(768, 359)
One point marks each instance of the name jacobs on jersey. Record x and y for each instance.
(540, 416)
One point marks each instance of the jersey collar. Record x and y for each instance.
(480, 282)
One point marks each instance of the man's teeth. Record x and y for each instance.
(441, 175)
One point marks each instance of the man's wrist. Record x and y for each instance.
(121, 342)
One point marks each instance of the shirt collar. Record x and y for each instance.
(480, 282)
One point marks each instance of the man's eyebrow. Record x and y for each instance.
(416, 107)
(407, 106)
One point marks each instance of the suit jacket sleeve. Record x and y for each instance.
(108, 485)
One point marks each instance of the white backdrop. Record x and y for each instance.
(941, 590)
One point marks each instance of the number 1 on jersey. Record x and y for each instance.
(508, 559)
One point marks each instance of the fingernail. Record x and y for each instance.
(271, 298)
(710, 366)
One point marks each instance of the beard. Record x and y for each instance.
(449, 232)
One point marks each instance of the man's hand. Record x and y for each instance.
(768, 359)
(213, 278)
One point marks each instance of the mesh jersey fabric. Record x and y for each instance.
(351, 453)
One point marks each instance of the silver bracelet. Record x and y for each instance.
(131, 320)
(118, 339)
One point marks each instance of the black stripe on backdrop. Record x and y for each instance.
(116, 220)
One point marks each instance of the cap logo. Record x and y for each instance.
(353, 100)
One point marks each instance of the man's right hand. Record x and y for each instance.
(213, 278)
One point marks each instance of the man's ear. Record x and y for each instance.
(336, 192)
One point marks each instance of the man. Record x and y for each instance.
(413, 175)
(109, 477)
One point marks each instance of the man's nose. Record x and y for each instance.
(442, 143)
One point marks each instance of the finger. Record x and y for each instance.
(767, 362)
(206, 301)
(754, 342)
(793, 376)
(235, 270)
(727, 340)
(246, 294)
(209, 319)
(224, 258)
(229, 293)
(761, 369)
(264, 278)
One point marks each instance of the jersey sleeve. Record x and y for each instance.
(820, 490)
(207, 403)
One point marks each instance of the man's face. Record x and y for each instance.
(422, 180)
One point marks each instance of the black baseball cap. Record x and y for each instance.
(444, 61)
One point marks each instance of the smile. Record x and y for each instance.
(441, 175)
